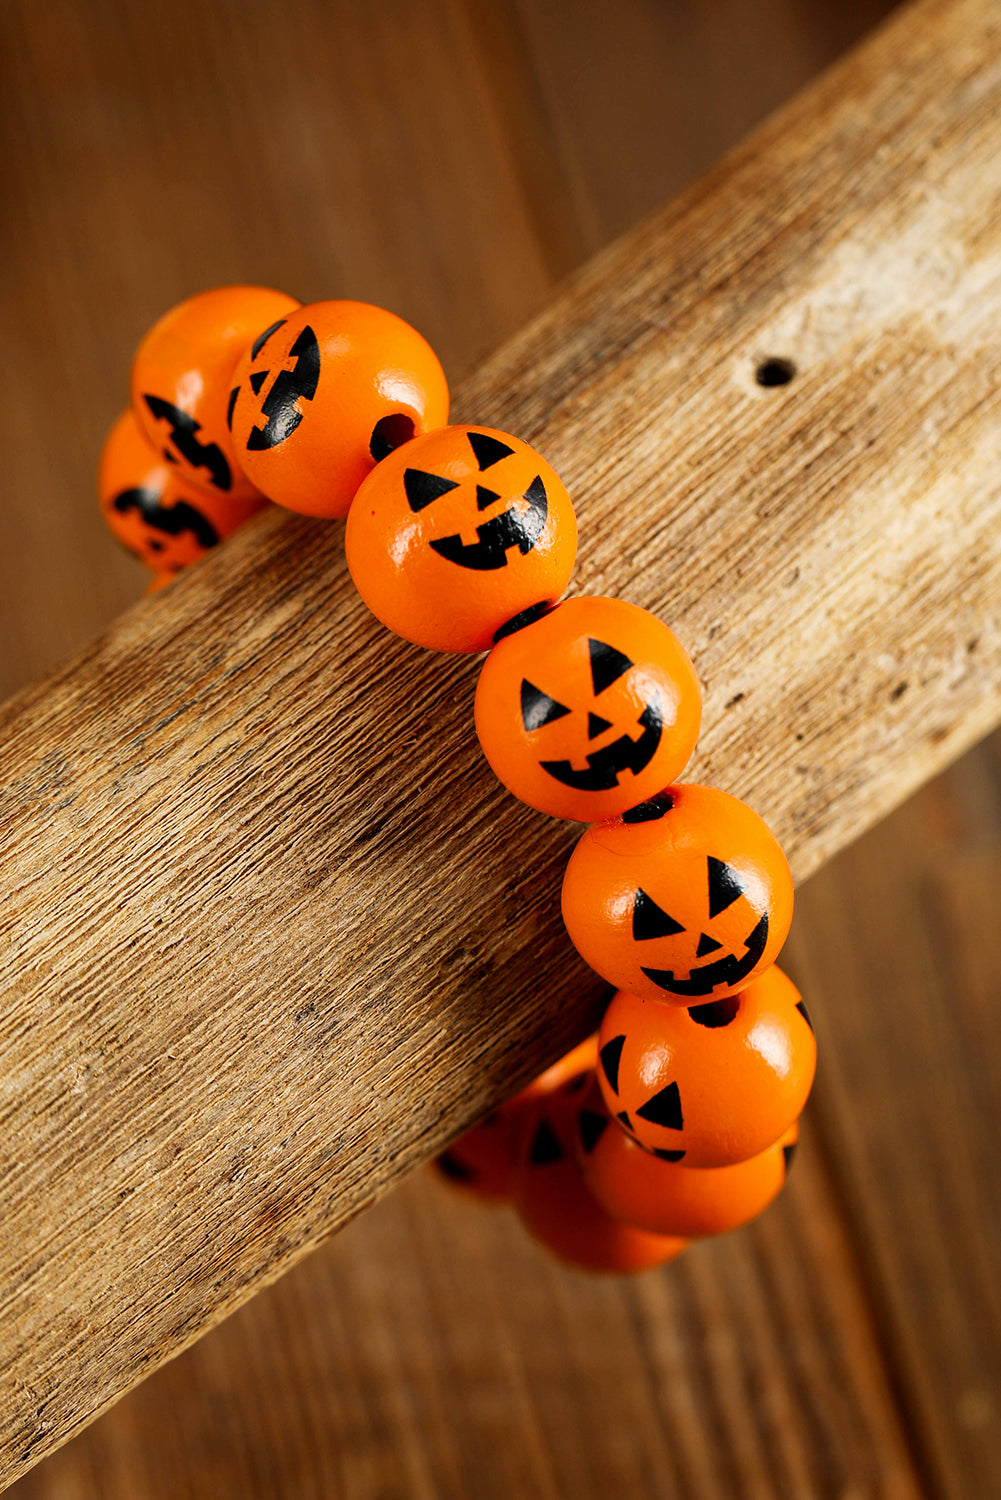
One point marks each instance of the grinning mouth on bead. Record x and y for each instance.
(730, 970)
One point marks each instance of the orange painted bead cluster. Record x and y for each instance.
(679, 1118)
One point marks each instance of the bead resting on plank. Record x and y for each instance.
(166, 522)
(674, 1121)
(457, 532)
(323, 395)
(686, 907)
(181, 378)
(712, 1085)
(589, 710)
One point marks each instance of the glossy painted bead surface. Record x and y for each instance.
(665, 1197)
(331, 389)
(558, 1210)
(165, 522)
(684, 900)
(182, 375)
(713, 1085)
(458, 532)
(589, 710)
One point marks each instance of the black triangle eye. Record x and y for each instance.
(423, 489)
(611, 1055)
(650, 920)
(664, 1109)
(607, 664)
(537, 708)
(545, 1147)
(725, 885)
(591, 1127)
(487, 450)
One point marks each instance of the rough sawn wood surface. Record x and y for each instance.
(268, 933)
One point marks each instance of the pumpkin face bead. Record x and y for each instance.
(458, 532)
(665, 1197)
(166, 523)
(556, 1207)
(588, 710)
(684, 899)
(712, 1085)
(182, 375)
(324, 394)
(481, 1161)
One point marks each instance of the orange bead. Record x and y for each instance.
(456, 534)
(589, 710)
(712, 1085)
(684, 899)
(665, 1197)
(182, 375)
(558, 1210)
(152, 512)
(481, 1161)
(326, 393)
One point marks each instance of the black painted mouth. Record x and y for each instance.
(706, 978)
(604, 767)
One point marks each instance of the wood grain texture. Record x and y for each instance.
(589, 395)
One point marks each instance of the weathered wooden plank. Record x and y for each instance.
(194, 788)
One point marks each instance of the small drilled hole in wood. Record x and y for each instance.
(774, 371)
(389, 433)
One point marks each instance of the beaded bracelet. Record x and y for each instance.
(679, 1118)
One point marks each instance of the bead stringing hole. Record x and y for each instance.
(389, 433)
(774, 371)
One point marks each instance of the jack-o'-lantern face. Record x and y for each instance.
(323, 394)
(686, 907)
(731, 927)
(166, 523)
(589, 710)
(508, 517)
(714, 1084)
(614, 745)
(456, 533)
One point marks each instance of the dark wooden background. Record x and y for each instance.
(452, 159)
